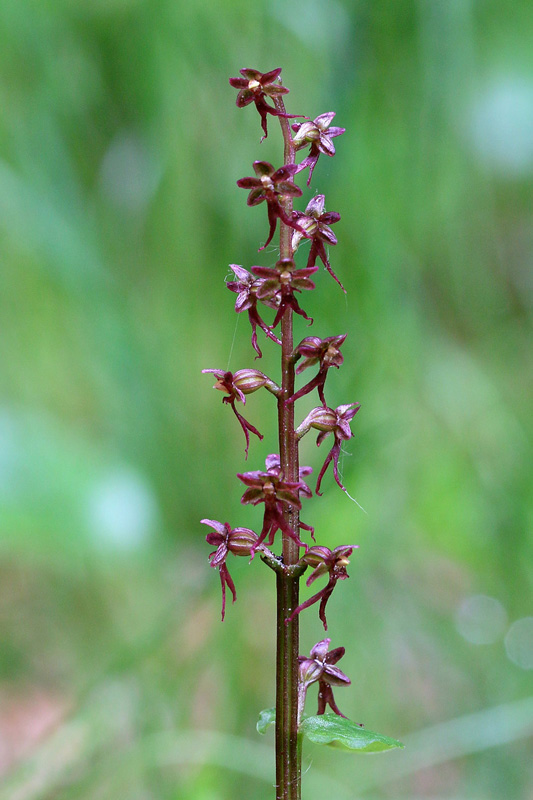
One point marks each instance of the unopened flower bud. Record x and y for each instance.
(242, 541)
(249, 380)
(317, 557)
(323, 419)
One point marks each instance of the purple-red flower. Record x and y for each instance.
(246, 288)
(324, 561)
(318, 134)
(272, 185)
(239, 541)
(254, 87)
(326, 352)
(271, 488)
(315, 222)
(237, 385)
(279, 284)
(320, 666)
(273, 465)
(326, 420)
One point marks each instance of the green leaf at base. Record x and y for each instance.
(267, 717)
(336, 731)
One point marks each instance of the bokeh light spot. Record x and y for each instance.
(481, 619)
(501, 125)
(519, 643)
(122, 511)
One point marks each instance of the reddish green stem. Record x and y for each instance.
(288, 755)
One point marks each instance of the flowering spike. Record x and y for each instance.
(281, 485)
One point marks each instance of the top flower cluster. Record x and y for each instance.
(255, 87)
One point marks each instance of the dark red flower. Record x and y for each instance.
(320, 666)
(324, 561)
(239, 541)
(318, 134)
(327, 353)
(246, 288)
(327, 420)
(315, 222)
(279, 284)
(270, 487)
(237, 385)
(254, 87)
(272, 185)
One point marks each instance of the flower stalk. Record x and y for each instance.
(280, 487)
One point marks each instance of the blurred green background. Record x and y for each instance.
(120, 145)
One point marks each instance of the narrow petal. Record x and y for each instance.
(270, 77)
(238, 83)
(243, 301)
(283, 173)
(263, 168)
(218, 372)
(330, 217)
(327, 235)
(288, 189)
(249, 183)
(256, 196)
(315, 206)
(244, 98)
(271, 91)
(220, 555)
(323, 121)
(335, 655)
(241, 273)
(326, 146)
(251, 74)
(217, 526)
(320, 649)
(336, 131)
(253, 497)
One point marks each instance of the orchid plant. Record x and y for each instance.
(280, 487)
